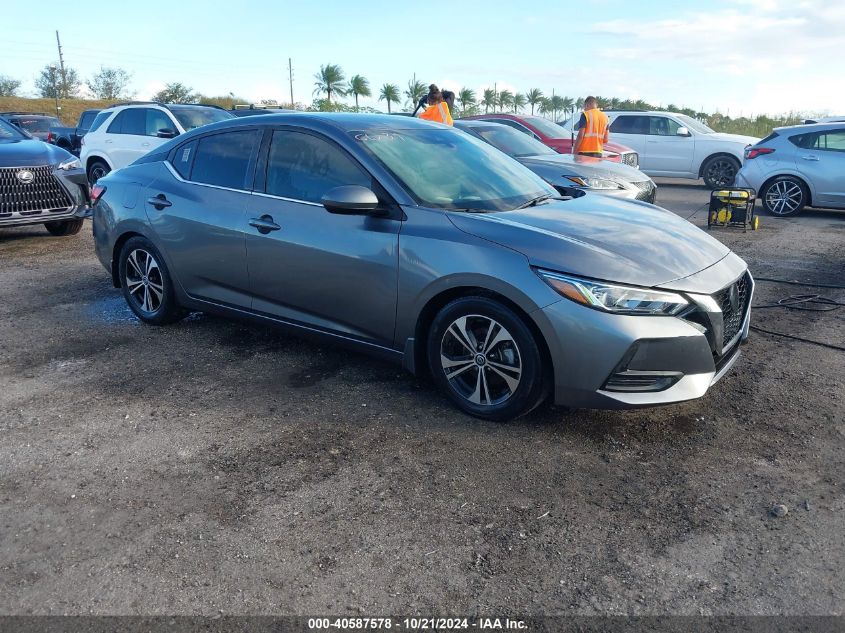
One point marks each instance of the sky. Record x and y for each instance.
(739, 57)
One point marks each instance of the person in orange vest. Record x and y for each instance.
(438, 108)
(592, 130)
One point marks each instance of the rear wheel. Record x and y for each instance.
(146, 283)
(484, 356)
(784, 196)
(66, 227)
(720, 171)
(97, 170)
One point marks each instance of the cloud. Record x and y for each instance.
(777, 53)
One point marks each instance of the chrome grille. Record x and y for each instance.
(733, 312)
(647, 190)
(43, 194)
(631, 158)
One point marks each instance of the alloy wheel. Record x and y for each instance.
(784, 197)
(97, 172)
(144, 281)
(721, 172)
(481, 360)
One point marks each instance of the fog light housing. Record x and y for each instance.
(634, 380)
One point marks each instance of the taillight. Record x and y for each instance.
(50, 137)
(754, 152)
(96, 192)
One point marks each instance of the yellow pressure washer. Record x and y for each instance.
(733, 207)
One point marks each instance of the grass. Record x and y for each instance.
(69, 112)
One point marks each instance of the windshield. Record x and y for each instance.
(511, 142)
(446, 169)
(694, 125)
(190, 117)
(9, 132)
(41, 124)
(546, 127)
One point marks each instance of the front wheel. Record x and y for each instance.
(98, 169)
(146, 283)
(484, 356)
(720, 171)
(66, 227)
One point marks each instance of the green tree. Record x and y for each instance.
(567, 105)
(8, 86)
(466, 97)
(359, 85)
(52, 83)
(505, 100)
(176, 92)
(330, 80)
(534, 97)
(110, 83)
(389, 92)
(556, 104)
(519, 101)
(489, 100)
(416, 91)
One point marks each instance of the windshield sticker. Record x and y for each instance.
(185, 154)
(378, 136)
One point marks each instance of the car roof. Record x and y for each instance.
(28, 114)
(810, 127)
(479, 123)
(346, 122)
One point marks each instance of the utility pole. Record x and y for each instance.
(290, 78)
(61, 60)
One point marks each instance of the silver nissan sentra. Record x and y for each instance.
(426, 246)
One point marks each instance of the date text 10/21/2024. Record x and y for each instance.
(418, 624)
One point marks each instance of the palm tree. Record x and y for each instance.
(556, 104)
(416, 91)
(545, 104)
(466, 97)
(505, 100)
(519, 102)
(489, 100)
(359, 85)
(568, 105)
(389, 92)
(603, 102)
(534, 97)
(330, 80)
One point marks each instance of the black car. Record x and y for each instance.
(37, 124)
(70, 138)
(40, 184)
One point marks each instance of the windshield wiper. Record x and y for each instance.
(533, 202)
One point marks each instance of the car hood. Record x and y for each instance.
(600, 237)
(587, 166)
(733, 138)
(30, 153)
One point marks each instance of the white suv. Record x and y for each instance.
(677, 146)
(124, 132)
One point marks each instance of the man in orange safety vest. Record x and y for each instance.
(438, 109)
(592, 130)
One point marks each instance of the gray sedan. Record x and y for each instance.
(797, 166)
(423, 245)
(564, 171)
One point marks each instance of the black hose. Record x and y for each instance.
(799, 283)
(798, 338)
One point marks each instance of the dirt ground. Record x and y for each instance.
(215, 466)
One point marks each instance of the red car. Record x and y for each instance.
(553, 135)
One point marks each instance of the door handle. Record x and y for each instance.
(108, 141)
(810, 157)
(264, 224)
(145, 144)
(159, 202)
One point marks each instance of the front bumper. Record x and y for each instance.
(55, 195)
(611, 361)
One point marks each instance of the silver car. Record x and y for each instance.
(797, 166)
(564, 172)
(425, 246)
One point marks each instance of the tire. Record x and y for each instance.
(719, 171)
(784, 196)
(96, 170)
(146, 283)
(64, 228)
(500, 383)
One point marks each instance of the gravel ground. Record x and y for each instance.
(215, 466)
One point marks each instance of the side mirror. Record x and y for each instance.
(167, 133)
(350, 200)
(682, 131)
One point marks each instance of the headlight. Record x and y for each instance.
(595, 183)
(615, 298)
(73, 163)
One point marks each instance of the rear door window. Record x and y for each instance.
(130, 121)
(630, 124)
(223, 159)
